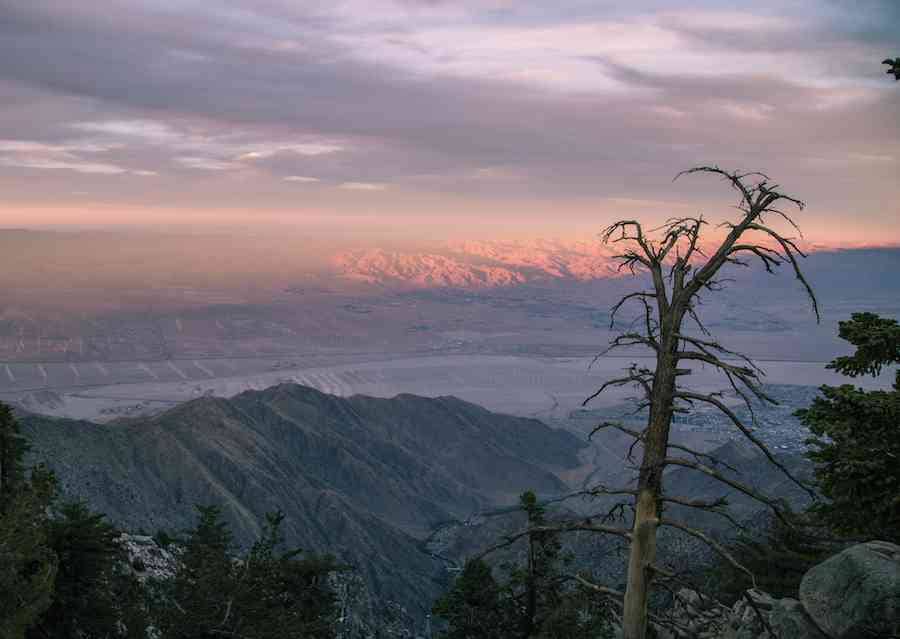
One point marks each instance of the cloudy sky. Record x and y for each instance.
(473, 117)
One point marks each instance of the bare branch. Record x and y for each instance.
(636, 295)
(582, 525)
(734, 178)
(712, 543)
(756, 201)
(692, 313)
(623, 227)
(706, 344)
(638, 437)
(769, 257)
(790, 252)
(709, 399)
(716, 507)
(718, 363)
(739, 486)
(748, 376)
(715, 461)
(599, 489)
(623, 340)
(636, 376)
(602, 590)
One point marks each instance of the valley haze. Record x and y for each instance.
(98, 325)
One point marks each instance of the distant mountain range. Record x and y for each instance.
(479, 264)
(360, 477)
(491, 264)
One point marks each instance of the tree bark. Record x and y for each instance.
(649, 498)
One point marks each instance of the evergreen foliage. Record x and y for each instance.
(281, 595)
(265, 595)
(92, 591)
(877, 342)
(28, 566)
(579, 615)
(893, 67)
(778, 558)
(536, 588)
(474, 607)
(12, 452)
(856, 447)
(198, 599)
(536, 600)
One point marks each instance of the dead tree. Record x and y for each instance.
(680, 270)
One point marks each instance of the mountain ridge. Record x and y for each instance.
(360, 477)
(488, 264)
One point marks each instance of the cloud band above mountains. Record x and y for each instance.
(396, 106)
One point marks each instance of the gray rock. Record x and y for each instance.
(789, 621)
(147, 559)
(856, 593)
(743, 623)
(762, 600)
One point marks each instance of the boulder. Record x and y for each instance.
(789, 621)
(856, 593)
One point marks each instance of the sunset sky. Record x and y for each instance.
(464, 118)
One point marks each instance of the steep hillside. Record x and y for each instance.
(361, 477)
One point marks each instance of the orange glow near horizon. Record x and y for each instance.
(532, 221)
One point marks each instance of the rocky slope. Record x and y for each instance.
(854, 594)
(360, 477)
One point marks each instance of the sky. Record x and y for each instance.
(431, 118)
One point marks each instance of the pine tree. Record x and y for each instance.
(579, 615)
(536, 600)
(28, 565)
(196, 601)
(281, 595)
(856, 443)
(537, 586)
(267, 594)
(12, 452)
(92, 591)
(474, 608)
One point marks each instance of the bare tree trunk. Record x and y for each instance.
(643, 552)
(649, 498)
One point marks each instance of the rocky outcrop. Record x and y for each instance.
(856, 593)
(853, 595)
(789, 619)
(148, 560)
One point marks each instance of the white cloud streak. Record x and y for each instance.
(363, 186)
(206, 164)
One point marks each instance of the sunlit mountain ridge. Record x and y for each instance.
(495, 263)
